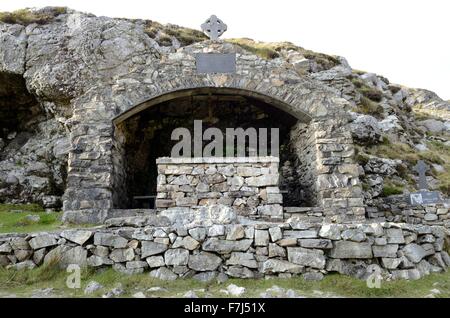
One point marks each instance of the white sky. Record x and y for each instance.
(406, 41)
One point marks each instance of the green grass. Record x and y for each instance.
(13, 218)
(23, 283)
(391, 190)
(28, 16)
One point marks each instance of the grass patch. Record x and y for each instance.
(271, 50)
(163, 34)
(422, 112)
(13, 218)
(25, 282)
(29, 16)
(389, 189)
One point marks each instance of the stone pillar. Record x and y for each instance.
(88, 195)
(339, 189)
(327, 169)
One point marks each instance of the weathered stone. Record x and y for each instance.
(306, 257)
(287, 242)
(262, 181)
(205, 277)
(330, 231)
(300, 234)
(152, 248)
(239, 272)
(163, 273)
(244, 259)
(216, 230)
(280, 266)
(23, 255)
(176, 257)
(5, 248)
(316, 243)
(38, 256)
(261, 238)
(276, 251)
(395, 236)
(204, 261)
(235, 232)
(78, 236)
(389, 250)
(225, 247)
(198, 233)
(19, 243)
(108, 239)
(275, 234)
(348, 249)
(415, 253)
(136, 264)
(42, 240)
(122, 255)
(391, 263)
(312, 276)
(353, 235)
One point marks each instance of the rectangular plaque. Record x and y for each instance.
(208, 63)
(424, 197)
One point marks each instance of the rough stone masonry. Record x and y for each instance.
(81, 81)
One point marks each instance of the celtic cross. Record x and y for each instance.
(421, 168)
(214, 27)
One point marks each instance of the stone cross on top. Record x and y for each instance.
(214, 27)
(421, 168)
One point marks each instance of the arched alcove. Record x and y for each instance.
(143, 134)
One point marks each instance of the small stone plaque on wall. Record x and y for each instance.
(424, 197)
(210, 63)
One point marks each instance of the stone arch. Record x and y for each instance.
(329, 168)
(272, 99)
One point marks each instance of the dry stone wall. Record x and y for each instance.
(247, 184)
(251, 250)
